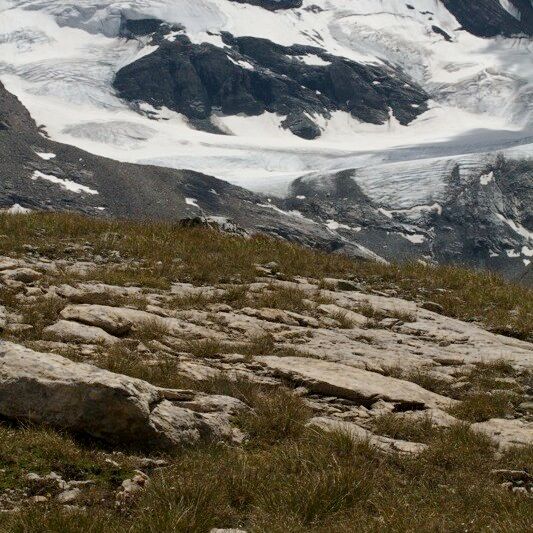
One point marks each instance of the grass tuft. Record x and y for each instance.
(482, 406)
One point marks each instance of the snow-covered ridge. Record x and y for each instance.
(61, 58)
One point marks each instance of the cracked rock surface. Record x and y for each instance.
(352, 356)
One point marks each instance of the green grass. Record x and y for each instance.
(396, 426)
(345, 322)
(294, 480)
(286, 298)
(40, 312)
(482, 406)
(151, 330)
(41, 450)
(286, 477)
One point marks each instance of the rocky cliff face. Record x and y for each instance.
(488, 18)
(482, 219)
(250, 76)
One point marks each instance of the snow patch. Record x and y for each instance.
(313, 60)
(17, 209)
(385, 212)
(485, 179)
(511, 9)
(46, 155)
(66, 184)
(172, 36)
(293, 213)
(192, 201)
(334, 225)
(518, 228)
(415, 238)
(242, 63)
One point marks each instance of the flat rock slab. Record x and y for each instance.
(114, 320)
(47, 388)
(22, 274)
(506, 433)
(334, 310)
(358, 433)
(271, 315)
(87, 292)
(67, 331)
(120, 321)
(362, 386)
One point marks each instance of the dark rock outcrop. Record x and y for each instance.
(488, 18)
(484, 220)
(252, 75)
(272, 5)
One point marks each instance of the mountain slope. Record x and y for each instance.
(292, 389)
(62, 60)
(40, 174)
(405, 105)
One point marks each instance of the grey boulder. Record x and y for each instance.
(50, 389)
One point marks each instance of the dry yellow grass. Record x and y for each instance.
(287, 477)
(166, 253)
(292, 479)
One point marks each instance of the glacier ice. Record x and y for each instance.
(60, 57)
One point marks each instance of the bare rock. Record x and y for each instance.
(437, 417)
(197, 371)
(324, 377)
(358, 433)
(271, 315)
(231, 530)
(506, 433)
(111, 319)
(47, 388)
(67, 331)
(121, 320)
(342, 284)
(334, 310)
(512, 475)
(450, 360)
(24, 275)
(68, 496)
(131, 488)
(433, 306)
(88, 292)
(306, 321)
(8, 263)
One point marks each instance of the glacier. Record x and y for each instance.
(60, 59)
